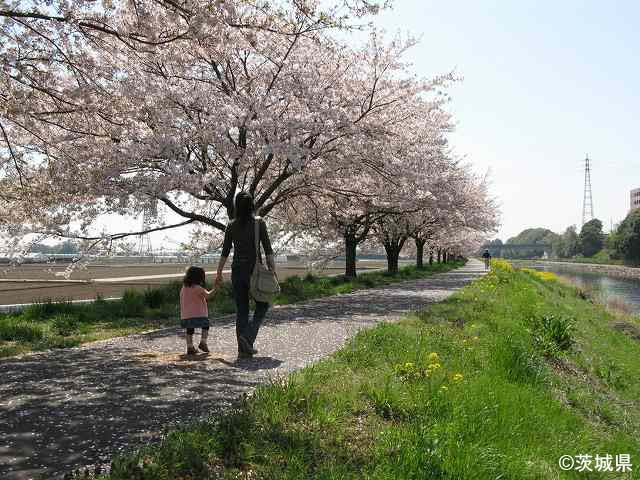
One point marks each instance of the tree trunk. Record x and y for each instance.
(393, 252)
(419, 253)
(439, 256)
(445, 257)
(350, 245)
(430, 257)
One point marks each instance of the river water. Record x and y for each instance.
(607, 287)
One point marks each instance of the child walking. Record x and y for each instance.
(194, 312)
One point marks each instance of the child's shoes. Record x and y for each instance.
(203, 340)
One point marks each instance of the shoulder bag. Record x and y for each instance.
(264, 283)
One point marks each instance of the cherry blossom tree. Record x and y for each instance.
(466, 211)
(389, 180)
(420, 168)
(450, 209)
(114, 107)
(117, 107)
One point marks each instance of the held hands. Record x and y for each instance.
(218, 281)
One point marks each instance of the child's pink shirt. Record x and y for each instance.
(193, 302)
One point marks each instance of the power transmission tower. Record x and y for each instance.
(144, 241)
(587, 203)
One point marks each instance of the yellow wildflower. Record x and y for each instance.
(457, 377)
(433, 357)
(476, 338)
(444, 387)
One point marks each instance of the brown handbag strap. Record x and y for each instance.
(257, 239)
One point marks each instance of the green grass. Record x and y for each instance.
(51, 324)
(498, 381)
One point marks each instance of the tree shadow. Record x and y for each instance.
(82, 406)
(256, 363)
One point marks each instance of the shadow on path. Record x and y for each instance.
(68, 408)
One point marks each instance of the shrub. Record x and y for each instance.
(366, 281)
(292, 287)
(47, 309)
(19, 329)
(553, 334)
(501, 265)
(132, 304)
(540, 275)
(101, 310)
(167, 310)
(65, 324)
(154, 297)
(223, 300)
(338, 280)
(171, 292)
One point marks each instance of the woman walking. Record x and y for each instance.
(240, 234)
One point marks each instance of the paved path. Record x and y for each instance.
(68, 408)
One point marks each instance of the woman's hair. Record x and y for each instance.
(244, 207)
(194, 276)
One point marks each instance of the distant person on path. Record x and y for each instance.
(487, 259)
(240, 234)
(194, 312)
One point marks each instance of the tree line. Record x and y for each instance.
(622, 244)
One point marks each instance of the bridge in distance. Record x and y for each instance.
(497, 250)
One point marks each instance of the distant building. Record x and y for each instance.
(635, 199)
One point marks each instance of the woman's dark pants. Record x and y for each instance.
(240, 279)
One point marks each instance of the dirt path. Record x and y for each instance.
(68, 408)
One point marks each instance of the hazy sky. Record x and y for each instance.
(544, 84)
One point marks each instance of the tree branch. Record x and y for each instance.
(191, 215)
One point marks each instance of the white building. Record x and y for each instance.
(635, 199)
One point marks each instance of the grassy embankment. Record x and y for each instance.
(64, 324)
(498, 381)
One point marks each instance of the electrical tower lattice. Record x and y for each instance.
(587, 203)
(144, 241)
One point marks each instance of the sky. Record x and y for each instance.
(544, 84)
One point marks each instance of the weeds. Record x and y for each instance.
(553, 334)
